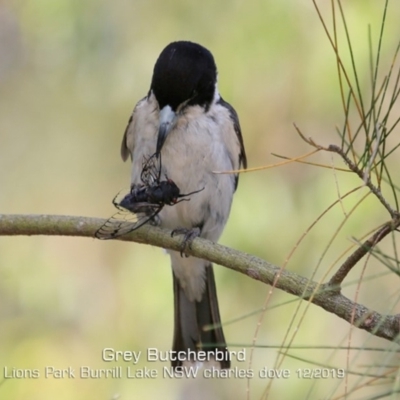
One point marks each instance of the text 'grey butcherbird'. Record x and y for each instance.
(184, 118)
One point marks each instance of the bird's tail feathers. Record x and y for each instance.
(191, 319)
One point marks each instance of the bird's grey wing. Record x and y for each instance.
(128, 138)
(235, 119)
(236, 126)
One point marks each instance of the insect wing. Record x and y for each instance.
(151, 170)
(119, 224)
(124, 222)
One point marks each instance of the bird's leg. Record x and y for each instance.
(189, 236)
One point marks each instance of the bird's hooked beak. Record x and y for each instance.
(167, 121)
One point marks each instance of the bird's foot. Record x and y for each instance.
(189, 236)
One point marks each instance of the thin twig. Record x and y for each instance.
(367, 180)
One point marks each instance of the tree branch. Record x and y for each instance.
(384, 326)
(365, 248)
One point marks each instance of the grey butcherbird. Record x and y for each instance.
(184, 117)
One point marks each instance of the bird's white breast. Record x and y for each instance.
(199, 144)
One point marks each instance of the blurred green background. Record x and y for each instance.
(70, 74)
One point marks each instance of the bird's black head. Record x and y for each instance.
(185, 73)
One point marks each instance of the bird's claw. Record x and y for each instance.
(189, 236)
